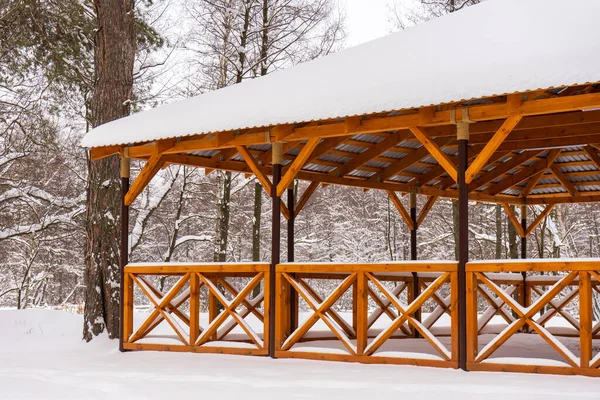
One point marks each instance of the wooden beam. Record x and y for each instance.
(297, 165)
(435, 151)
(503, 168)
(425, 210)
(539, 219)
(371, 153)
(531, 184)
(491, 147)
(592, 153)
(152, 166)
(513, 219)
(305, 196)
(403, 213)
(564, 180)
(253, 165)
(96, 153)
(542, 165)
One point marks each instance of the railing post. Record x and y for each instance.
(585, 319)
(413, 252)
(275, 245)
(463, 240)
(125, 318)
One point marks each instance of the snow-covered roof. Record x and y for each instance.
(497, 47)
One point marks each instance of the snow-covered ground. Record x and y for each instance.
(42, 356)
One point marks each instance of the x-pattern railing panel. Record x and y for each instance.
(406, 314)
(167, 307)
(525, 316)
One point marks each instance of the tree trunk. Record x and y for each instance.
(114, 57)
(222, 231)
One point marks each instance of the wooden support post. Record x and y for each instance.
(124, 256)
(275, 245)
(290, 256)
(194, 308)
(413, 251)
(585, 318)
(463, 240)
(362, 305)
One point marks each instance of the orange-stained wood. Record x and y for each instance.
(403, 213)
(435, 151)
(491, 147)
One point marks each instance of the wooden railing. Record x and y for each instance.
(376, 290)
(176, 322)
(564, 285)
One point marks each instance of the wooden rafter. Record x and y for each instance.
(503, 168)
(491, 147)
(531, 183)
(297, 165)
(513, 218)
(152, 166)
(305, 196)
(253, 165)
(564, 180)
(435, 151)
(526, 172)
(425, 210)
(371, 153)
(592, 153)
(403, 213)
(539, 219)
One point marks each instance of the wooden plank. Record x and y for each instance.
(592, 153)
(183, 268)
(253, 165)
(296, 165)
(403, 213)
(531, 184)
(97, 153)
(541, 165)
(585, 319)
(371, 153)
(502, 168)
(472, 326)
(513, 219)
(535, 369)
(406, 161)
(308, 192)
(194, 308)
(127, 307)
(391, 267)
(362, 312)
(435, 151)
(564, 180)
(482, 158)
(426, 208)
(539, 219)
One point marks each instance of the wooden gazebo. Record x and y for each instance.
(507, 111)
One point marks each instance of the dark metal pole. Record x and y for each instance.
(275, 245)
(290, 252)
(524, 255)
(524, 226)
(413, 251)
(463, 242)
(124, 246)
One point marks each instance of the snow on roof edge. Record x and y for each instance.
(549, 57)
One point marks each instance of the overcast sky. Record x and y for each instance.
(365, 20)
